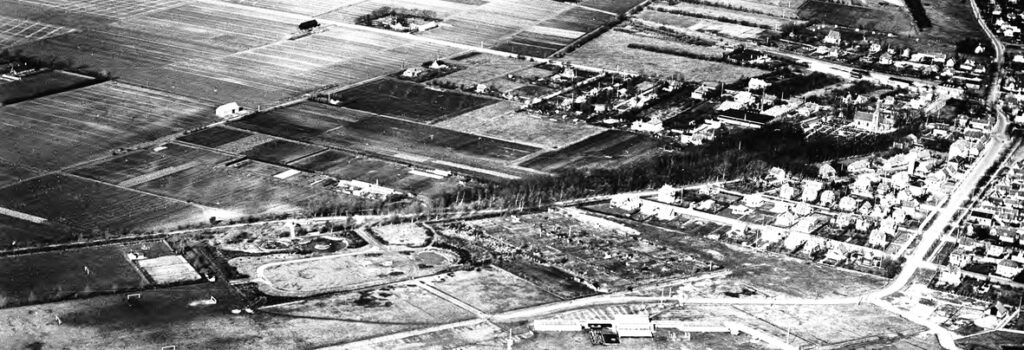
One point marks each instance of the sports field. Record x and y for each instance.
(40, 134)
(39, 277)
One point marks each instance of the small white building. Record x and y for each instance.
(1009, 268)
(228, 110)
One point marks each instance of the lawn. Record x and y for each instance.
(492, 290)
(40, 277)
(409, 100)
(500, 121)
(89, 204)
(610, 51)
(40, 85)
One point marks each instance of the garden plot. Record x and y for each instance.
(492, 290)
(38, 133)
(313, 276)
(501, 121)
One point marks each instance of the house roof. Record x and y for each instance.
(864, 116)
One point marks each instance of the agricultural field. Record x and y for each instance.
(492, 290)
(338, 57)
(40, 85)
(214, 137)
(951, 20)
(614, 6)
(38, 277)
(15, 31)
(612, 147)
(111, 8)
(239, 193)
(724, 14)
(13, 173)
(501, 121)
(89, 204)
(397, 304)
(281, 152)
(347, 166)
(305, 277)
(303, 121)
(348, 11)
(552, 35)
(17, 233)
(409, 101)
(490, 24)
(148, 164)
(611, 51)
(888, 19)
(788, 9)
(427, 145)
(111, 115)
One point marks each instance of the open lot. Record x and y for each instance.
(39, 85)
(90, 204)
(409, 101)
(39, 277)
(611, 51)
(501, 121)
(333, 273)
(492, 290)
(604, 149)
(38, 133)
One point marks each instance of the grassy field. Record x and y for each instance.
(12, 173)
(888, 19)
(40, 277)
(399, 304)
(409, 100)
(489, 290)
(39, 134)
(214, 137)
(238, 192)
(611, 147)
(93, 205)
(40, 85)
(610, 51)
(952, 21)
(281, 152)
(15, 233)
(149, 162)
(501, 121)
(313, 276)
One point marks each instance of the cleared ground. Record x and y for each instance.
(40, 134)
(492, 290)
(501, 121)
(610, 51)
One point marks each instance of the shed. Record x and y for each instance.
(228, 110)
(310, 24)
